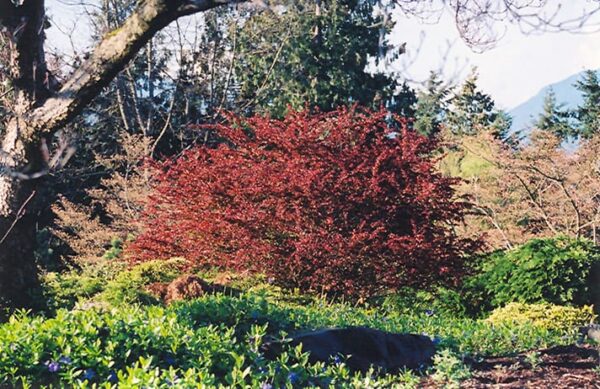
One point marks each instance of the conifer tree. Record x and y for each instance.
(431, 106)
(588, 113)
(404, 102)
(315, 54)
(555, 118)
(472, 111)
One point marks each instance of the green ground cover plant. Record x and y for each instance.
(215, 341)
(103, 328)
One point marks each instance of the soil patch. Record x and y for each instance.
(557, 367)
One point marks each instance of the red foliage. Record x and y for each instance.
(327, 202)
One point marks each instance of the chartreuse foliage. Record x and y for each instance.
(214, 341)
(542, 315)
(128, 286)
(107, 282)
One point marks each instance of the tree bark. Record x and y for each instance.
(39, 111)
(17, 222)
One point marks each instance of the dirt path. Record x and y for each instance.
(554, 368)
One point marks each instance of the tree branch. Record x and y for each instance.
(561, 182)
(110, 57)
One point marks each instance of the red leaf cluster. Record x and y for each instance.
(338, 203)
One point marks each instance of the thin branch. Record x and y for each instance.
(167, 120)
(561, 182)
(19, 215)
(111, 55)
(3, 95)
(269, 72)
(229, 71)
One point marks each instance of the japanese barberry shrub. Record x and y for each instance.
(342, 202)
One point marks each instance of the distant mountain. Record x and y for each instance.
(526, 113)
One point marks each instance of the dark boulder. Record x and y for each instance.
(364, 347)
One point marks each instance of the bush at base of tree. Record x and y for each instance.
(338, 203)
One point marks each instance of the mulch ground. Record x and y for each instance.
(557, 367)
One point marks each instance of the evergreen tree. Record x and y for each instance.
(404, 102)
(588, 114)
(431, 106)
(313, 53)
(473, 111)
(554, 117)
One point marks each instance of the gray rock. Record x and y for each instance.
(592, 332)
(365, 347)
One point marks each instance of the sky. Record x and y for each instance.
(514, 70)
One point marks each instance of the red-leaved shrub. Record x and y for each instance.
(339, 202)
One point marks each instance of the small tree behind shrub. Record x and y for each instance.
(340, 202)
(551, 270)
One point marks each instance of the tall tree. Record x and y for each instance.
(432, 103)
(472, 111)
(555, 118)
(404, 102)
(588, 113)
(315, 53)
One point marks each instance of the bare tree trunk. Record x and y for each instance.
(18, 213)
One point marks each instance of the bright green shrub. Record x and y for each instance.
(129, 286)
(107, 281)
(115, 250)
(552, 317)
(553, 270)
(64, 290)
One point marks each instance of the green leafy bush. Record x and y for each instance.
(548, 316)
(129, 286)
(553, 270)
(64, 290)
(110, 282)
(115, 250)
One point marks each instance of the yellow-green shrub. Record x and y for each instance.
(548, 316)
(128, 286)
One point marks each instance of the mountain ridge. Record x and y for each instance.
(525, 113)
